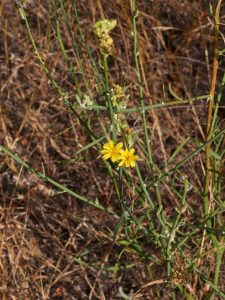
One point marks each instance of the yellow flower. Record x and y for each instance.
(106, 43)
(104, 26)
(102, 29)
(118, 94)
(127, 158)
(112, 151)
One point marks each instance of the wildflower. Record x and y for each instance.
(112, 151)
(102, 29)
(127, 158)
(119, 91)
(104, 26)
(118, 94)
(85, 101)
(119, 97)
(105, 43)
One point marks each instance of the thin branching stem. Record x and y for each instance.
(211, 118)
(208, 181)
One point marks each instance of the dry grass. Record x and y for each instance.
(42, 230)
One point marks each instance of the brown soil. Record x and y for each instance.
(41, 229)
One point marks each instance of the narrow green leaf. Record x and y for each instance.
(178, 149)
(56, 184)
(92, 144)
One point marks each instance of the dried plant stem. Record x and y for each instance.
(208, 184)
(210, 113)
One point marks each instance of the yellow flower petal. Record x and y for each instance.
(106, 156)
(132, 164)
(108, 145)
(112, 151)
(128, 158)
(121, 163)
(111, 143)
(119, 146)
(132, 150)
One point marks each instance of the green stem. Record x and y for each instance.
(123, 206)
(169, 104)
(150, 162)
(219, 257)
(211, 118)
(174, 229)
(75, 47)
(56, 184)
(60, 91)
(140, 86)
(108, 100)
(209, 128)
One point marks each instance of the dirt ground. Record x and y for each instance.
(41, 229)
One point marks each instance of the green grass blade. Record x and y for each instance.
(56, 184)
